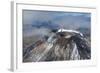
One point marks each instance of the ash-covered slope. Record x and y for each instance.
(63, 45)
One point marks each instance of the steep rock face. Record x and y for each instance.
(63, 45)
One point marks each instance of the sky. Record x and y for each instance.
(46, 20)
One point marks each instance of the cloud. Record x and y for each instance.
(70, 20)
(73, 22)
(30, 16)
(37, 32)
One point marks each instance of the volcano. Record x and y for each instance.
(62, 45)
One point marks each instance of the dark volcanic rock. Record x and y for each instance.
(63, 45)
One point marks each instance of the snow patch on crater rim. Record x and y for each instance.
(71, 31)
